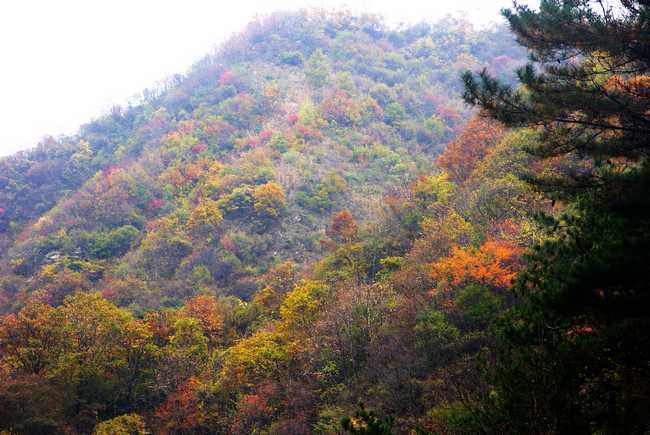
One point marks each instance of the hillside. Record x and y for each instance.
(223, 172)
(333, 226)
(203, 211)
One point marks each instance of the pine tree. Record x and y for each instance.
(575, 353)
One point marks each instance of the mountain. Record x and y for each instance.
(260, 243)
(298, 117)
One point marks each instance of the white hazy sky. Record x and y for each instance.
(65, 62)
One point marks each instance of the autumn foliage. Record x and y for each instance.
(269, 200)
(462, 154)
(343, 227)
(164, 271)
(495, 263)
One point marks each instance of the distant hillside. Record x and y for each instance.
(240, 163)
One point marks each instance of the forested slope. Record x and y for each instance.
(219, 173)
(313, 217)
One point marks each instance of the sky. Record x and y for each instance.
(66, 62)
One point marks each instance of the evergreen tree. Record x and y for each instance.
(575, 353)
